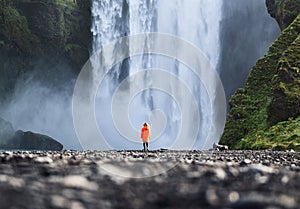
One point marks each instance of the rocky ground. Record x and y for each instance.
(158, 179)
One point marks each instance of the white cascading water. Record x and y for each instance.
(190, 21)
(196, 22)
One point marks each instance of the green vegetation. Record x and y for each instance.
(286, 86)
(282, 136)
(54, 32)
(14, 29)
(270, 102)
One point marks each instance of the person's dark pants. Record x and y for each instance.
(145, 144)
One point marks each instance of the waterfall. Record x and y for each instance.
(192, 21)
(197, 22)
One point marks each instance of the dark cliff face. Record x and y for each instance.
(244, 37)
(284, 11)
(61, 28)
(266, 113)
(44, 36)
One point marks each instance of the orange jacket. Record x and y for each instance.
(145, 134)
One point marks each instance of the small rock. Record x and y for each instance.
(263, 168)
(59, 201)
(233, 196)
(261, 179)
(288, 202)
(77, 205)
(80, 182)
(247, 161)
(43, 160)
(212, 197)
(292, 151)
(13, 181)
(285, 179)
(219, 147)
(188, 160)
(220, 173)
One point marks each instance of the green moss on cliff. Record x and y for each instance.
(286, 86)
(53, 32)
(282, 136)
(58, 23)
(14, 30)
(250, 113)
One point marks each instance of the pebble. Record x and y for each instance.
(212, 197)
(77, 205)
(59, 201)
(233, 196)
(220, 173)
(43, 160)
(285, 179)
(13, 181)
(81, 182)
(263, 169)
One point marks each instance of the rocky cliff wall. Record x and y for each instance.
(265, 114)
(47, 36)
(284, 11)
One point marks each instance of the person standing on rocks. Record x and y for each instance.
(145, 135)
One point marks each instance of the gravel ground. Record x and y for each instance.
(157, 179)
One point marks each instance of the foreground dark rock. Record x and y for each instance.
(195, 179)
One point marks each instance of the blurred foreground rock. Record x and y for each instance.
(159, 179)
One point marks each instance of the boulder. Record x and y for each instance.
(33, 141)
(9, 139)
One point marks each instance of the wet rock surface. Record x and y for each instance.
(157, 179)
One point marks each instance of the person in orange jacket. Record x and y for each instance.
(145, 135)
